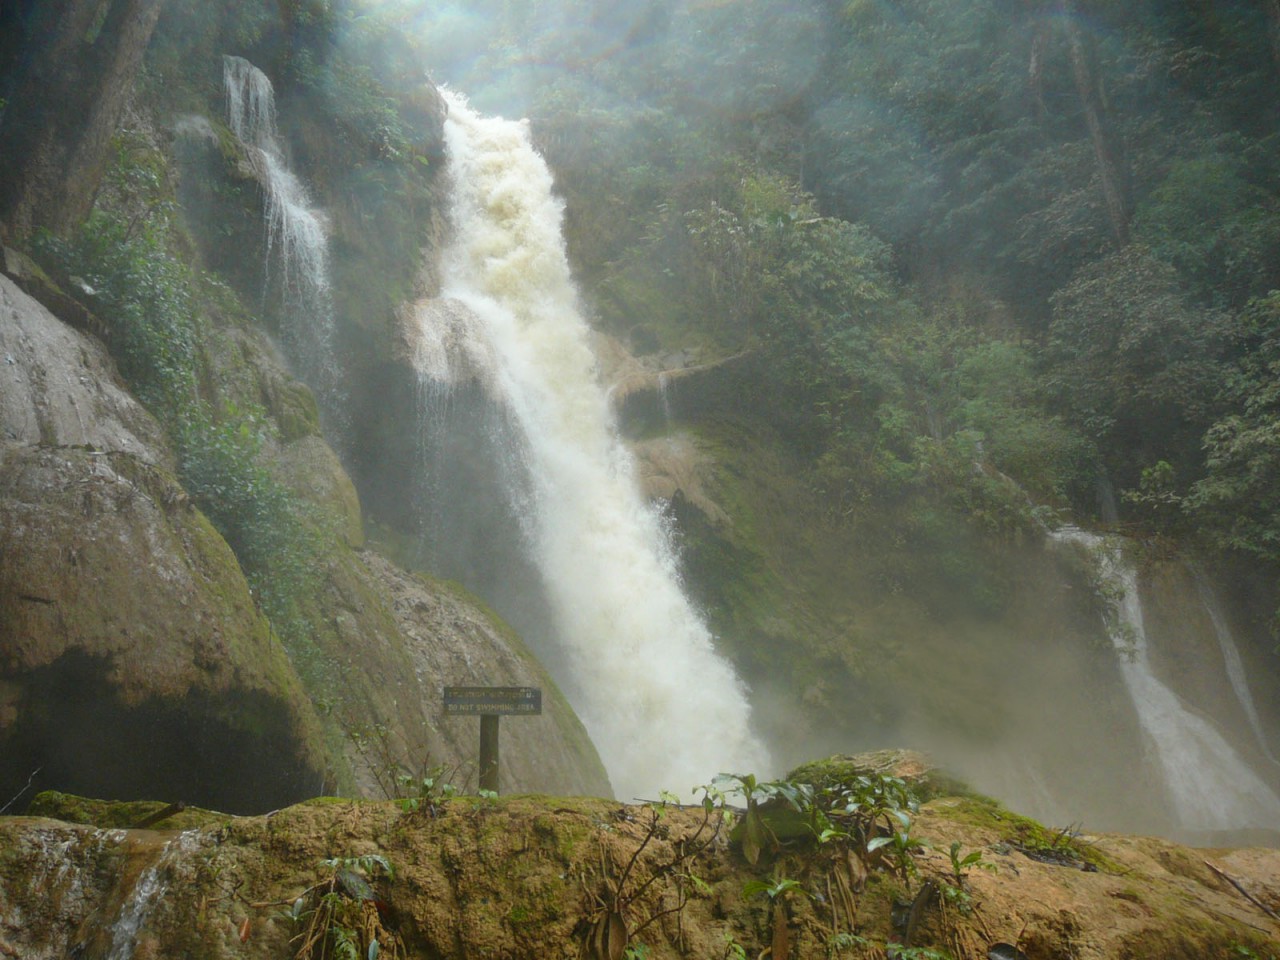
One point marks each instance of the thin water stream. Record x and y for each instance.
(297, 245)
(1210, 786)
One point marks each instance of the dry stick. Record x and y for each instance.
(835, 916)
(162, 814)
(1243, 892)
(977, 915)
(846, 900)
(27, 785)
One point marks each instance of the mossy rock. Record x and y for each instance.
(120, 814)
(1048, 845)
(915, 769)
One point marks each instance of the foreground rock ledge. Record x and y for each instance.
(548, 877)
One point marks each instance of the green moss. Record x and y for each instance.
(117, 814)
(1188, 938)
(333, 801)
(1031, 837)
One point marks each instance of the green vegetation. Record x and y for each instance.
(152, 304)
(1024, 247)
(339, 917)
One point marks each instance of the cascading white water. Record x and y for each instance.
(1231, 661)
(296, 232)
(665, 711)
(151, 885)
(664, 395)
(1210, 787)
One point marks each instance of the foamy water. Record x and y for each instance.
(297, 244)
(664, 709)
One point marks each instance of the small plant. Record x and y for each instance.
(756, 833)
(898, 848)
(427, 792)
(773, 889)
(896, 951)
(960, 866)
(733, 950)
(339, 915)
(840, 942)
(957, 894)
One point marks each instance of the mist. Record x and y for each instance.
(897, 120)
(905, 284)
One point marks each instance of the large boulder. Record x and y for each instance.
(411, 637)
(132, 659)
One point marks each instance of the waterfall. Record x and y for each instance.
(664, 396)
(1231, 660)
(1210, 787)
(295, 233)
(664, 709)
(151, 885)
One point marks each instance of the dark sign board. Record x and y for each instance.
(492, 701)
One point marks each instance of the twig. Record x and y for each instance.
(162, 814)
(1243, 892)
(25, 788)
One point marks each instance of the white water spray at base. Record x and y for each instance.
(664, 709)
(1209, 786)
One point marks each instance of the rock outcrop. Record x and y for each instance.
(554, 877)
(132, 658)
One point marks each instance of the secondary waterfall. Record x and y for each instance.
(1231, 661)
(1210, 787)
(151, 886)
(665, 711)
(295, 232)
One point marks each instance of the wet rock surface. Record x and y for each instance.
(545, 877)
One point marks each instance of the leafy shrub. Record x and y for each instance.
(146, 298)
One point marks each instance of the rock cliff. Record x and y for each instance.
(135, 661)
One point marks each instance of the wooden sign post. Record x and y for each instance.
(490, 703)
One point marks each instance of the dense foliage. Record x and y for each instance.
(152, 302)
(1030, 241)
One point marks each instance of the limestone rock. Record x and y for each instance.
(400, 639)
(672, 466)
(59, 387)
(538, 876)
(132, 658)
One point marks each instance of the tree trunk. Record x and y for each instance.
(77, 68)
(1106, 151)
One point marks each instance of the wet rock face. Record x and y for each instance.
(132, 659)
(59, 387)
(446, 640)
